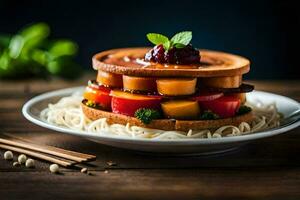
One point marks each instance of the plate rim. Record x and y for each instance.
(191, 141)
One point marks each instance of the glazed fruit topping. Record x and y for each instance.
(157, 54)
(178, 50)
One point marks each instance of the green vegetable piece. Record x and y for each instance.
(30, 53)
(63, 48)
(243, 110)
(182, 38)
(4, 40)
(209, 115)
(147, 115)
(5, 69)
(19, 68)
(156, 38)
(93, 104)
(65, 67)
(34, 36)
(39, 56)
(28, 38)
(15, 46)
(35, 31)
(4, 60)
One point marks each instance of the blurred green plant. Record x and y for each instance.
(31, 53)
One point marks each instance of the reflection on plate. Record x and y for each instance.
(288, 107)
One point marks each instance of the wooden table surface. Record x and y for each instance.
(264, 169)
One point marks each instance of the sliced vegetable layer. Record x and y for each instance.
(176, 87)
(181, 109)
(109, 79)
(224, 107)
(99, 95)
(132, 83)
(127, 103)
(148, 98)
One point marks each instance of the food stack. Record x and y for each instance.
(172, 86)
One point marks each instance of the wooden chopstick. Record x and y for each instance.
(39, 155)
(77, 154)
(70, 155)
(43, 150)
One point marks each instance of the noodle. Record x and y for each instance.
(68, 113)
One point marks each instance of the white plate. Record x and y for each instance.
(288, 107)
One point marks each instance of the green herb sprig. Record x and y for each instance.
(147, 115)
(30, 53)
(179, 40)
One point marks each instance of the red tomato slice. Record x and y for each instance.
(127, 104)
(225, 106)
(208, 96)
(99, 96)
(130, 106)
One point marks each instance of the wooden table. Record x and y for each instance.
(264, 169)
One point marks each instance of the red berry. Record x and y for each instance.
(186, 55)
(156, 54)
(148, 55)
(170, 56)
(159, 53)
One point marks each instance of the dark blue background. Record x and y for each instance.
(267, 32)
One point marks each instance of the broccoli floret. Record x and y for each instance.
(147, 115)
(243, 110)
(207, 115)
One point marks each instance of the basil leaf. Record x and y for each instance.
(15, 46)
(156, 38)
(39, 56)
(183, 38)
(38, 30)
(35, 34)
(4, 40)
(63, 48)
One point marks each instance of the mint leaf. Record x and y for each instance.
(156, 38)
(183, 38)
(179, 45)
(167, 45)
(179, 40)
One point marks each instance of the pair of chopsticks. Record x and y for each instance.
(51, 154)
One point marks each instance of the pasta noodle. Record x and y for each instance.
(68, 113)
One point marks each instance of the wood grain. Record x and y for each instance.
(264, 169)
